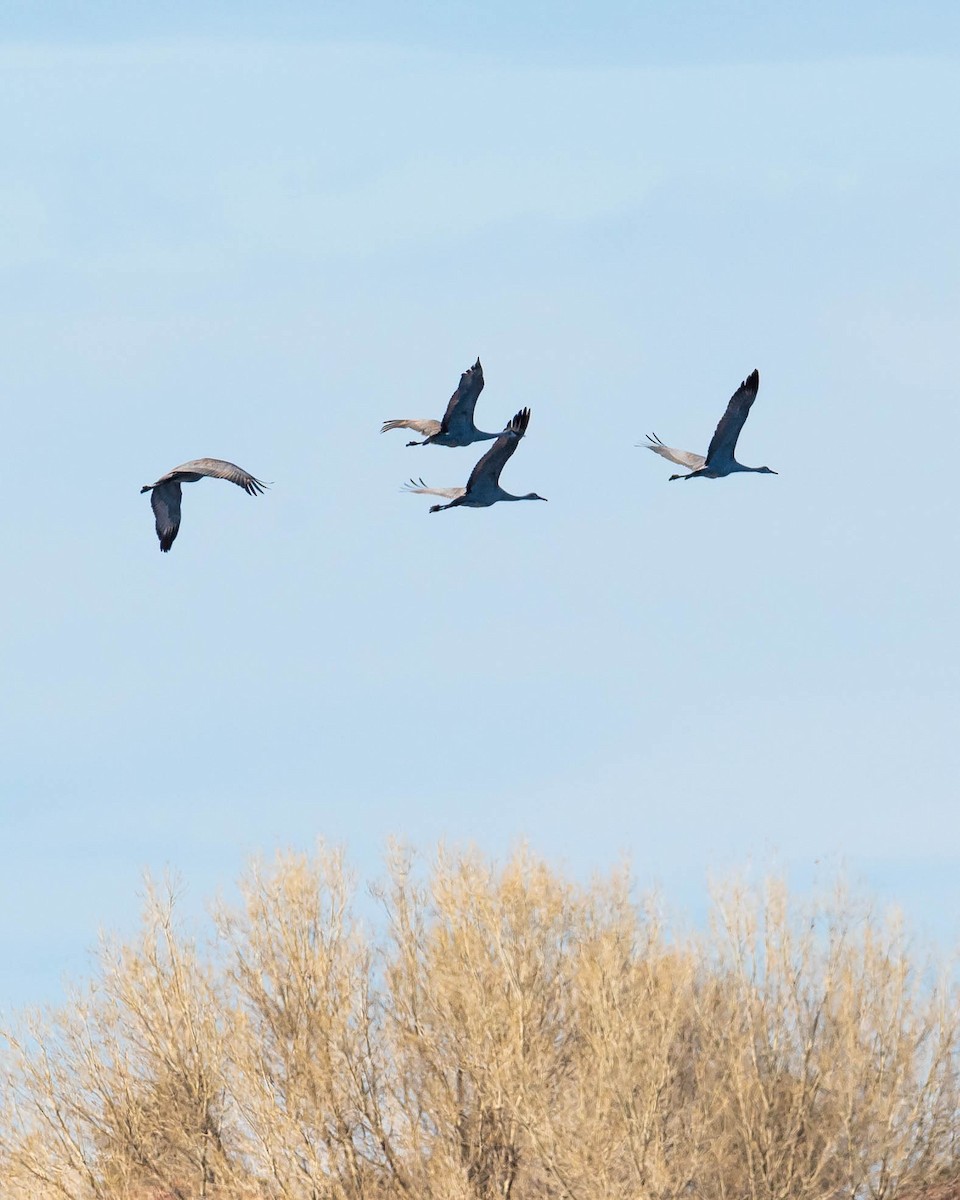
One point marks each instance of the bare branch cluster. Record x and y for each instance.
(502, 1033)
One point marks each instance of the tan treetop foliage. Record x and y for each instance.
(488, 1031)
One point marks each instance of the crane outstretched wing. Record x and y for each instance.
(165, 502)
(724, 441)
(215, 468)
(427, 427)
(493, 462)
(418, 486)
(683, 458)
(461, 405)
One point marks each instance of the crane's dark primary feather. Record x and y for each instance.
(165, 502)
(724, 440)
(496, 457)
(463, 402)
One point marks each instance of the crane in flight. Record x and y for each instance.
(165, 497)
(719, 460)
(457, 427)
(483, 487)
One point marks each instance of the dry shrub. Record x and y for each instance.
(303, 1057)
(503, 1032)
(836, 1059)
(122, 1092)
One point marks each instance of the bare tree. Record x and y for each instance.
(502, 1032)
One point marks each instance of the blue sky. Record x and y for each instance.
(255, 232)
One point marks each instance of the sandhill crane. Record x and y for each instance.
(719, 460)
(457, 427)
(165, 499)
(483, 487)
